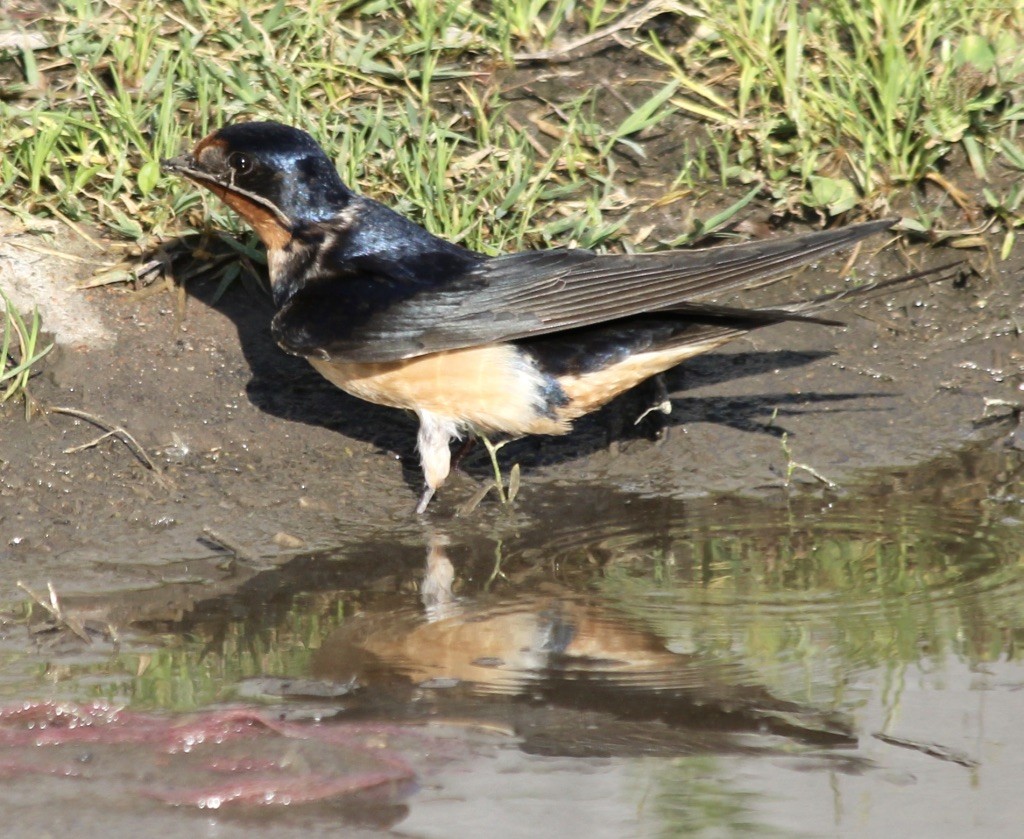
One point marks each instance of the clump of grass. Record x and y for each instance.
(391, 87)
(828, 107)
(838, 105)
(793, 466)
(506, 494)
(19, 351)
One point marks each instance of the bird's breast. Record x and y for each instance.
(494, 388)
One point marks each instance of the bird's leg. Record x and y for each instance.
(428, 493)
(433, 442)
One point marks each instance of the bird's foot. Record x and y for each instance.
(428, 493)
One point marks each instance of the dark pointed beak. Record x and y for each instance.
(184, 164)
(187, 165)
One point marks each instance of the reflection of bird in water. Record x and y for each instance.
(559, 648)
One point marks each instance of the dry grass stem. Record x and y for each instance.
(110, 431)
(594, 41)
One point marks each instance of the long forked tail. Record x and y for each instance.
(805, 310)
(924, 277)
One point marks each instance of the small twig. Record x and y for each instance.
(240, 552)
(67, 257)
(76, 228)
(814, 473)
(122, 272)
(111, 431)
(91, 443)
(665, 407)
(793, 465)
(520, 129)
(589, 44)
(930, 749)
(56, 611)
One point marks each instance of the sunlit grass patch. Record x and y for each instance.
(830, 108)
(20, 351)
(841, 105)
(401, 93)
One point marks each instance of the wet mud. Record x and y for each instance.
(251, 441)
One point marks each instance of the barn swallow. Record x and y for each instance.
(522, 343)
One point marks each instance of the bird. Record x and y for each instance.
(515, 344)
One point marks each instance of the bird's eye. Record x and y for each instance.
(241, 162)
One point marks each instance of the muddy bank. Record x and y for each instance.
(252, 443)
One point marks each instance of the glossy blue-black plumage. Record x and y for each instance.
(288, 168)
(363, 284)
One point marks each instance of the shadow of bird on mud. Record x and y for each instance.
(287, 387)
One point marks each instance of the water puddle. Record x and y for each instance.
(802, 663)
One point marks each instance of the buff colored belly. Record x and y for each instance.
(491, 389)
(593, 390)
(494, 389)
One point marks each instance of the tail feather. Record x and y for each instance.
(692, 328)
(947, 271)
(805, 310)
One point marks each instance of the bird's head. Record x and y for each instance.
(275, 176)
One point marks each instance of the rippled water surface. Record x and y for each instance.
(801, 663)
